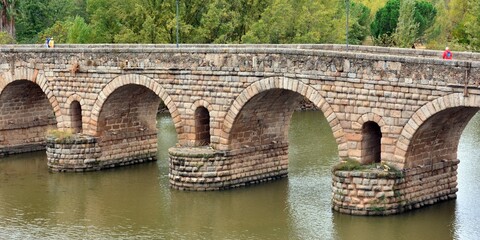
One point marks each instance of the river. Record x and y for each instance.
(135, 202)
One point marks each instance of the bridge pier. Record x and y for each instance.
(86, 153)
(204, 169)
(385, 192)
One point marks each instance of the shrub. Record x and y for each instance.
(6, 38)
(60, 134)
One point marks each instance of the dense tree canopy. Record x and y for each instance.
(434, 23)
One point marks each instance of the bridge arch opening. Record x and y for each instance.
(264, 119)
(259, 134)
(371, 143)
(27, 115)
(127, 124)
(202, 126)
(76, 116)
(436, 139)
(129, 110)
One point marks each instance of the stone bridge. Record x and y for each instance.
(232, 105)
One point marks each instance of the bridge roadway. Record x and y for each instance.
(232, 105)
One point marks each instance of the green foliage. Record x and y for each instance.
(6, 38)
(466, 24)
(78, 31)
(59, 31)
(219, 24)
(386, 19)
(360, 21)
(402, 23)
(424, 16)
(301, 21)
(60, 134)
(348, 165)
(408, 27)
(275, 26)
(437, 23)
(36, 16)
(382, 169)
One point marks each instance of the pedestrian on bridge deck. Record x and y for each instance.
(51, 43)
(447, 54)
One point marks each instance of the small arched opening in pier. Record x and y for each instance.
(76, 116)
(202, 126)
(371, 143)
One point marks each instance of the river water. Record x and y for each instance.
(135, 202)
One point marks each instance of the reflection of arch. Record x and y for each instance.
(136, 80)
(34, 76)
(445, 105)
(288, 84)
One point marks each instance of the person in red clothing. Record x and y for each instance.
(447, 54)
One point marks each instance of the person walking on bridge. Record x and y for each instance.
(51, 43)
(447, 54)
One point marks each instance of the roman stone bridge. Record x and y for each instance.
(232, 105)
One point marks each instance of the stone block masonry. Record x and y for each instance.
(83, 153)
(232, 104)
(376, 192)
(205, 169)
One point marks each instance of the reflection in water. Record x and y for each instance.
(136, 202)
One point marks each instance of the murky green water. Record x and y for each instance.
(135, 202)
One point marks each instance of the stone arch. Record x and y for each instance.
(74, 98)
(370, 117)
(456, 102)
(136, 80)
(286, 84)
(34, 76)
(359, 128)
(202, 103)
(3, 84)
(204, 138)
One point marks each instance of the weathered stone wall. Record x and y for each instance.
(346, 86)
(26, 117)
(128, 148)
(205, 169)
(437, 139)
(82, 153)
(376, 192)
(76, 154)
(420, 102)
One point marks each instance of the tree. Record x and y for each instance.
(402, 23)
(8, 12)
(218, 24)
(36, 16)
(78, 31)
(275, 25)
(6, 38)
(466, 24)
(359, 23)
(311, 24)
(407, 27)
(300, 21)
(385, 22)
(424, 15)
(33, 18)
